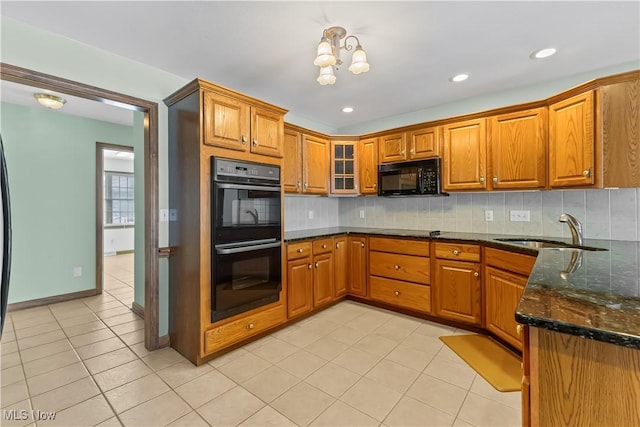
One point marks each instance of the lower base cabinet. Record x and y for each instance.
(357, 266)
(341, 265)
(402, 294)
(458, 292)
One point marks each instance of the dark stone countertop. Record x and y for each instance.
(593, 294)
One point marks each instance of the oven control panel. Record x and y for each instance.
(229, 170)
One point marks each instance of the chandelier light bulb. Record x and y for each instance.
(326, 76)
(324, 57)
(359, 62)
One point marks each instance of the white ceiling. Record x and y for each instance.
(266, 49)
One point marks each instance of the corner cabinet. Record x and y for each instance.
(344, 166)
(207, 120)
(465, 156)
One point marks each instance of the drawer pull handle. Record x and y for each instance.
(397, 267)
(324, 246)
(250, 325)
(299, 251)
(476, 274)
(519, 330)
(455, 252)
(396, 293)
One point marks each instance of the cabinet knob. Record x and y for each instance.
(402, 152)
(300, 250)
(476, 274)
(316, 265)
(306, 184)
(587, 172)
(298, 184)
(362, 245)
(412, 151)
(255, 142)
(396, 293)
(243, 139)
(338, 245)
(250, 326)
(481, 178)
(309, 266)
(375, 185)
(455, 252)
(324, 246)
(519, 330)
(495, 179)
(397, 267)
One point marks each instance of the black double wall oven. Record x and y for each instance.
(246, 236)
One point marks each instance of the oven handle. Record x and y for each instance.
(236, 250)
(248, 187)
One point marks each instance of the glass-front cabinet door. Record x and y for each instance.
(344, 166)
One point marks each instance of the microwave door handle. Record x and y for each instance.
(249, 187)
(241, 249)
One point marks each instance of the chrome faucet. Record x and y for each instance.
(574, 226)
(254, 214)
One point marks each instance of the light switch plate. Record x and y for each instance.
(488, 215)
(520, 216)
(173, 215)
(164, 215)
(361, 213)
(310, 214)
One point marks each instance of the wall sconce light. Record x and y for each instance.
(50, 101)
(328, 55)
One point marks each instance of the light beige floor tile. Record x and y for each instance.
(270, 383)
(302, 403)
(8, 347)
(437, 393)
(326, 348)
(109, 360)
(393, 375)
(120, 375)
(41, 339)
(395, 331)
(341, 414)
(411, 412)
(204, 388)
(163, 358)
(120, 319)
(46, 364)
(8, 334)
(483, 388)
(456, 373)
(427, 344)
(159, 411)
(356, 360)
(481, 411)
(17, 414)
(38, 329)
(111, 312)
(459, 422)
(244, 367)
(192, 419)
(258, 343)
(368, 322)
(28, 322)
(124, 328)
(301, 363)
(29, 313)
(411, 358)
(320, 326)
(228, 357)
(231, 408)
(371, 398)
(299, 337)
(134, 337)
(100, 347)
(66, 396)
(11, 375)
(54, 379)
(45, 350)
(267, 417)
(91, 337)
(346, 335)
(183, 372)
(90, 412)
(275, 350)
(10, 360)
(13, 393)
(436, 330)
(139, 348)
(333, 379)
(135, 392)
(376, 344)
(85, 328)
(104, 304)
(88, 317)
(110, 422)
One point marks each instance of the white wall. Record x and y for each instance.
(121, 238)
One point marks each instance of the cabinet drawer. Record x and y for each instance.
(402, 267)
(400, 246)
(457, 251)
(298, 250)
(321, 246)
(408, 295)
(509, 261)
(233, 332)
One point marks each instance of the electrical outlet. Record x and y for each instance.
(520, 216)
(310, 214)
(173, 215)
(164, 215)
(488, 215)
(77, 271)
(361, 213)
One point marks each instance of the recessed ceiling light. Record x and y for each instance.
(347, 109)
(543, 53)
(459, 77)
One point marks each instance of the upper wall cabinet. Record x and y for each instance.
(409, 145)
(517, 143)
(305, 169)
(368, 165)
(572, 142)
(235, 124)
(292, 167)
(464, 156)
(344, 166)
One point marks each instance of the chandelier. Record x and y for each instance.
(328, 55)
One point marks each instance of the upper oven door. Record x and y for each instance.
(243, 212)
(398, 180)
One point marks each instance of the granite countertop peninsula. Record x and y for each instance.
(593, 294)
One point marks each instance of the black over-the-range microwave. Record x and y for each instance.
(415, 178)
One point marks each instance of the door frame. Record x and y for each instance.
(150, 110)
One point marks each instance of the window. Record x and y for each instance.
(118, 198)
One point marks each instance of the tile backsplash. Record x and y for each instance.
(605, 214)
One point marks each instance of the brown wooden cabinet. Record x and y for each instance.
(392, 147)
(464, 156)
(457, 288)
(299, 279)
(344, 166)
(368, 165)
(305, 169)
(518, 146)
(323, 273)
(292, 167)
(235, 124)
(410, 145)
(357, 277)
(572, 142)
(341, 265)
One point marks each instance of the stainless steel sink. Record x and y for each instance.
(544, 243)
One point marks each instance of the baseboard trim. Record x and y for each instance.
(51, 300)
(163, 341)
(137, 309)
(128, 251)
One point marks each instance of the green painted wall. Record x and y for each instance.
(51, 164)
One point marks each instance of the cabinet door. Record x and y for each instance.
(502, 294)
(315, 152)
(392, 148)
(464, 158)
(299, 287)
(344, 170)
(226, 122)
(340, 262)
(368, 165)
(357, 284)
(322, 279)
(292, 164)
(266, 132)
(424, 143)
(571, 142)
(458, 292)
(517, 142)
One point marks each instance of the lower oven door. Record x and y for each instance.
(246, 275)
